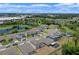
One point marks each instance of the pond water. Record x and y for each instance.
(2, 31)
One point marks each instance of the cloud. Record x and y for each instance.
(39, 8)
(37, 11)
(19, 8)
(40, 5)
(68, 7)
(63, 4)
(7, 5)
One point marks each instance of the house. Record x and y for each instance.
(44, 26)
(9, 51)
(36, 43)
(20, 37)
(17, 36)
(58, 33)
(21, 43)
(2, 47)
(47, 41)
(1, 38)
(31, 33)
(26, 48)
(37, 30)
(23, 34)
(12, 36)
(55, 35)
(54, 26)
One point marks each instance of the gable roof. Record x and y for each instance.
(1, 38)
(26, 48)
(9, 51)
(12, 36)
(47, 41)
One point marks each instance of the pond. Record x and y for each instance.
(7, 30)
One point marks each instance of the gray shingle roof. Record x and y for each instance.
(12, 36)
(26, 48)
(1, 38)
(9, 51)
(47, 41)
(37, 43)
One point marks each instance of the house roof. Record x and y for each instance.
(12, 36)
(15, 36)
(1, 38)
(2, 47)
(35, 40)
(47, 41)
(44, 26)
(38, 29)
(9, 51)
(54, 36)
(26, 48)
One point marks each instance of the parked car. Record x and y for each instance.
(55, 45)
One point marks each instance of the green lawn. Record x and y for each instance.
(68, 30)
(4, 27)
(9, 26)
(14, 30)
(5, 42)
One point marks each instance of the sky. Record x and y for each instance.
(39, 7)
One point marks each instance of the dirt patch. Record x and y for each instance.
(44, 51)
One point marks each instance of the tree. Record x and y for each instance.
(72, 47)
(14, 31)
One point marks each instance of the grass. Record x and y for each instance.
(5, 27)
(17, 31)
(5, 42)
(9, 26)
(28, 26)
(56, 52)
(66, 29)
(13, 31)
(62, 41)
(29, 36)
